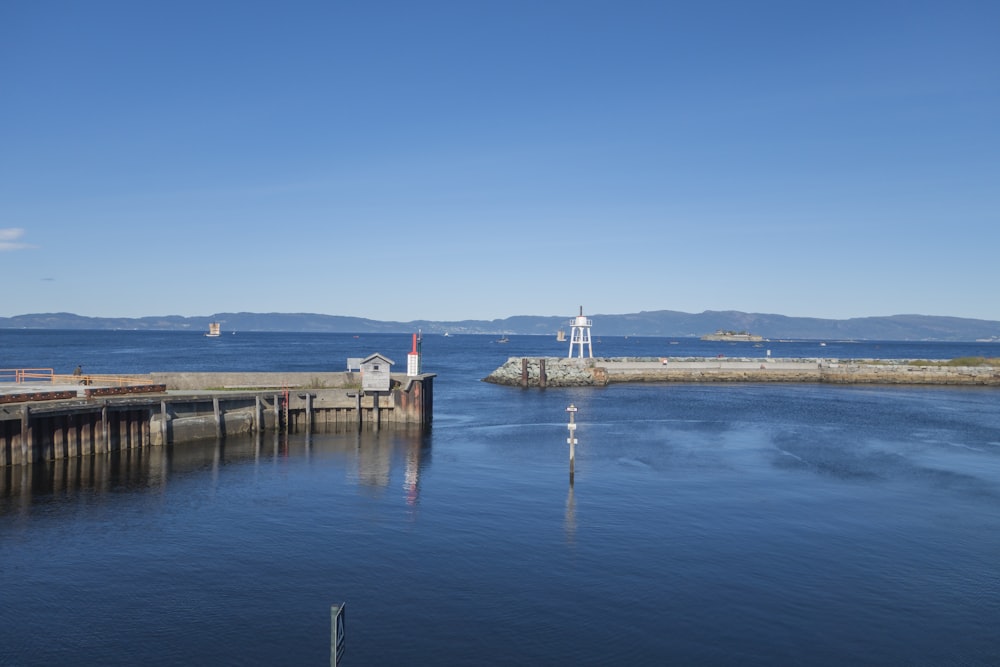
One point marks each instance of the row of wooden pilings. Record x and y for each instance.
(49, 436)
(49, 430)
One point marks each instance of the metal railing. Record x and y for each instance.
(21, 375)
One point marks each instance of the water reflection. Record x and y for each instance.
(375, 462)
(372, 459)
(101, 474)
(570, 521)
(411, 477)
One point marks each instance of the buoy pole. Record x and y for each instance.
(571, 440)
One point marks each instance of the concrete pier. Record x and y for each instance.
(44, 422)
(559, 372)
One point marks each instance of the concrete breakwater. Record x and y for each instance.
(576, 372)
(49, 422)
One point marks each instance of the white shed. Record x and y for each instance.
(376, 373)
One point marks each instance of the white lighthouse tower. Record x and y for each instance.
(580, 334)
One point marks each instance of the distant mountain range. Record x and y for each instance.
(666, 323)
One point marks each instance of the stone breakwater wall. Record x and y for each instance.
(563, 372)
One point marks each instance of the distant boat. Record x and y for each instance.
(561, 336)
(503, 339)
(446, 333)
(214, 330)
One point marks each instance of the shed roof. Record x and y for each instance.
(377, 355)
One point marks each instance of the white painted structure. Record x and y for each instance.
(580, 335)
(413, 358)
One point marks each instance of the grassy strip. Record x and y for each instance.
(960, 361)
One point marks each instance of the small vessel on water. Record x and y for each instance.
(561, 335)
(214, 329)
(503, 339)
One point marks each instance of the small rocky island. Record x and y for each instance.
(741, 336)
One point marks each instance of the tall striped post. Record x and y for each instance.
(571, 440)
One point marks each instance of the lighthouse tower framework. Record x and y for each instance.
(580, 335)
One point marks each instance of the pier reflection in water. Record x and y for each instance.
(370, 458)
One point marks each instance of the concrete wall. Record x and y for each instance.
(563, 372)
(206, 406)
(252, 381)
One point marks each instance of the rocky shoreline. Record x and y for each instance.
(576, 372)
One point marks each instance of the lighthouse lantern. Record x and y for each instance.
(580, 335)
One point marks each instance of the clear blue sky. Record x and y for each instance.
(479, 159)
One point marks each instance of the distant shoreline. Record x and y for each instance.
(660, 323)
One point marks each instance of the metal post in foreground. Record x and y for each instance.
(571, 440)
(337, 634)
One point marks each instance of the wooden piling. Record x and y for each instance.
(164, 428)
(137, 431)
(59, 429)
(122, 417)
(73, 436)
(289, 419)
(27, 437)
(218, 417)
(309, 412)
(105, 445)
(84, 433)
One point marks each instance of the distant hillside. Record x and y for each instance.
(666, 323)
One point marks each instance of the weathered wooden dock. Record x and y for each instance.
(48, 421)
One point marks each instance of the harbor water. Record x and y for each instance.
(707, 524)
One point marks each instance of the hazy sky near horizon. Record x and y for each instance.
(477, 159)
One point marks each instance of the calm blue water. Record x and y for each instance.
(708, 524)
